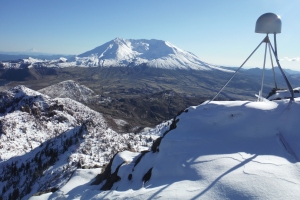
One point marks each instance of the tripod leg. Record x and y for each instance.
(272, 67)
(264, 40)
(283, 74)
(263, 75)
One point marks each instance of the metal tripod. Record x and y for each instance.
(271, 49)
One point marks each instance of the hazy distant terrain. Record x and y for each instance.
(23, 55)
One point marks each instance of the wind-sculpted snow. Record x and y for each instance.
(44, 140)
(217, 150)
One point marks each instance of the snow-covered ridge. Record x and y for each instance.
(33, 62)
(127, 53)
(217, 150)
(30, 118)
(69, 89)
(44, 140)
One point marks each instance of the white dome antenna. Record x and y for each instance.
(268, 23)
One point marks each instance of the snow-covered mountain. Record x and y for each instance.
(44, 140)
(217, 150)
(32, 50)
(127, 53)
(153, 53)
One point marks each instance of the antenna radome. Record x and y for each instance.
(268, 23)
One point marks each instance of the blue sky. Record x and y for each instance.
(217, 31)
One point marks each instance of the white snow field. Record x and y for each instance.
(219, 150)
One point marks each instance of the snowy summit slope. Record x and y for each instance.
(153, 53)
(44, 140)
(217, 150)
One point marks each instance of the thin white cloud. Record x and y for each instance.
(290, 59)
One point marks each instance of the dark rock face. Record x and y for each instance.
(147, 176)
(112, 179)
(105, 174)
